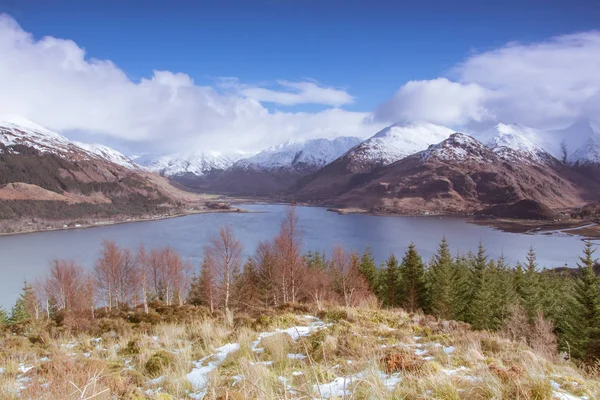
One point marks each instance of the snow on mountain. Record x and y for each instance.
(198, 163)
(398, 141)
(458, 147)
(306, 155)
(514, 142)
(16, 130)
(581, 142)
(109, 154)
(589, 153)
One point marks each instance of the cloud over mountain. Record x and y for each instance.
(548, 83)
(53, 82)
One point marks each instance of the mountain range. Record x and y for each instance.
(408, 167)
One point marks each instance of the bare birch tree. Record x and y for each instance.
(288, 247)
(224, 253)
(69, 287)
(107, 272)
(348, 280)
(143, 272)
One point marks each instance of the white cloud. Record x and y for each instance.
(51, 82)
(291, 93)
(440, 101)
(539, 84)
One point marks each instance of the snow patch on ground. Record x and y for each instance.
(340, 386)
(296, 356)
(199, 375)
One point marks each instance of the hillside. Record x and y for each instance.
(303, 353)
(44, 175)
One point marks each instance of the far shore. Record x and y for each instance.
(72, 226)
(575, 227)
(582, 228)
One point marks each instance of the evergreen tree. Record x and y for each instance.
(479, 310)
(24, 308)
(529, 287)
(368, 269)
(315, 261)
(504, 293)
(411, 281)
(194, 296)
(584, 332)
(481, 313)
(460, 285)
(555, 294)
(389, 282)
(246, 287)
(205, 287)
(3, 317)
(479, 265)
(440, 282)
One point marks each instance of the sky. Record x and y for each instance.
(155, 76)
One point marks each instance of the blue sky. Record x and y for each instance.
(367, 49)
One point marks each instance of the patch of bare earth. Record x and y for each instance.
(26, 191)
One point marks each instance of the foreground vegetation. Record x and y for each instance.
(292, 352)
(285, 324)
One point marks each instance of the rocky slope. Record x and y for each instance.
(458, 175)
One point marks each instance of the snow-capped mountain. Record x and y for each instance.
(309, 155)
(458, 147)
(514, 142)
(198, 163)
(587, 154)
(17, 130)
(580, 141)
(397, 142)
(109, 154)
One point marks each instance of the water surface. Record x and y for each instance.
(27, 256)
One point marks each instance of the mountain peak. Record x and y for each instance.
(396, 142)
(458, 147)
(23, 123)
(16, 130)
(587, 154)
(582, 125)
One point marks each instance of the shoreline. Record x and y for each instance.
(584, 229)
(130, 220)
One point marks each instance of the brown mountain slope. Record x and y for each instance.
(48, 185)
(459, 175)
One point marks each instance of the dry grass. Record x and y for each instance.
(355, 354)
